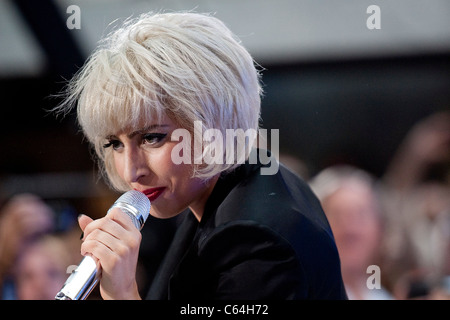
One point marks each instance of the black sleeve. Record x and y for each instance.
(250, 261)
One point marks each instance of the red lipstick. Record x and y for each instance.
(153, 193)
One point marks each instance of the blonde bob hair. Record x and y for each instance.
(187, 66)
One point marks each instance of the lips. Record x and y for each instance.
(153, 193)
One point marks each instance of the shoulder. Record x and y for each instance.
(282, 202)
(275, 218)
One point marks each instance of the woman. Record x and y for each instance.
(247, 235)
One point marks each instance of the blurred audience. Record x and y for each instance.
(400, 222)
(33, 261)
(416, 199)
(41, 269)
(351, 205)
(22, 219)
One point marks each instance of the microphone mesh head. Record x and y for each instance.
(137, 200)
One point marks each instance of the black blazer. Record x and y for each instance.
(261, 237)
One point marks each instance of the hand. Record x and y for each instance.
(429, 140)
(427, 144)
(114, 242)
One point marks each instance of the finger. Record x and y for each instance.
(132, 236)
(101, 253)
(105, 224)
(105, 248)
(83, 221)
(104, 238)
(121, 218)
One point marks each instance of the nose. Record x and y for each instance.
(135, 164)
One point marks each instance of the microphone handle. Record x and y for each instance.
(81, 282)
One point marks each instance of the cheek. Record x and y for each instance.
(118, 165)
(162, 163)
(165, 170)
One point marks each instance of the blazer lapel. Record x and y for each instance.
(179, 247)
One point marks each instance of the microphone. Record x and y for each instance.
(86, 276)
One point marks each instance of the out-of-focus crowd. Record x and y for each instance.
(34, 259)
(399, 223)
(392, 232)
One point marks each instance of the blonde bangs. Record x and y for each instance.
(116, 97)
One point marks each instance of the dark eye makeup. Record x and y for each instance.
(153, 138)
(147, 138)
(114, 143)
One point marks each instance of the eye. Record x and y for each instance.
(154, 138)
(114, 143)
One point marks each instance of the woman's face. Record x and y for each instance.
(142, 158)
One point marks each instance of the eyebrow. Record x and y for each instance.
(147, 129)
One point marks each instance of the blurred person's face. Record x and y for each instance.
(355, 225)
(143, 160)
(39, 276)
(30, 215)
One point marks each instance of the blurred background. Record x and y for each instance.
(339, 92)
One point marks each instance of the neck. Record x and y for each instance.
(198, 207)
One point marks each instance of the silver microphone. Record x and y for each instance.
(86, 276)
